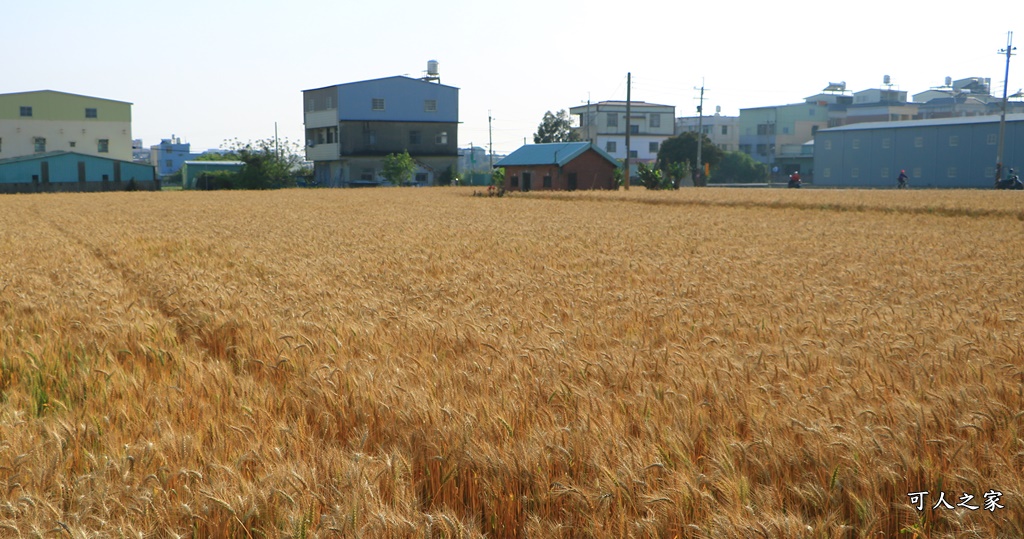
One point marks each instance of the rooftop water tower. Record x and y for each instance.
(433, 73)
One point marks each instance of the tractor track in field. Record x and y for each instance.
(211, 339)
(858, 207)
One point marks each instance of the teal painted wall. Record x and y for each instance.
(26, 174)
(63, 168)
(192, 169)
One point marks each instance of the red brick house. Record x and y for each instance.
(559, 166)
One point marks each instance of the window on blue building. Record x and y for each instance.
(377, 103)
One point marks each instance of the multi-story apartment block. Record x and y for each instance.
(46, 121)
(605, 124)
(351, 127)
(782, 136)
(724, 131)
(170, 155)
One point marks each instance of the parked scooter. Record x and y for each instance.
(1011, 182)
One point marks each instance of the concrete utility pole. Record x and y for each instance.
(1008, 51)
(490, 140)
(629, 110)
(700, 131)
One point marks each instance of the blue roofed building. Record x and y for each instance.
(559, 166)
(351, 127)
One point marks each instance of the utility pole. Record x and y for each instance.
(629, 110)
(700, 132)
(1008, 51)
(490, 140)
(587, 123)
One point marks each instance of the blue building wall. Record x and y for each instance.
(941, 153)
(67, 171)
(170, 155)
(404, 100)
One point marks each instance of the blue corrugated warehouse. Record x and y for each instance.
(73, 172)
(940, 153)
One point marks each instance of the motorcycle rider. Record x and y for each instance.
(1011, 182)
(794, 179)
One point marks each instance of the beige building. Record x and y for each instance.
(47, 121)
(724, 131)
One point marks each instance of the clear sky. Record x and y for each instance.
(212, 70)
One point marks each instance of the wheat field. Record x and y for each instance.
(427, 363)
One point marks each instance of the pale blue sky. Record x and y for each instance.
(220, 69)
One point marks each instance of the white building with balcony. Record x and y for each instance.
(605, 125)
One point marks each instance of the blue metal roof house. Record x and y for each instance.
(564, 166)
(73, 172)
(937, 153)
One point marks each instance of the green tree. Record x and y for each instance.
(398, 168)
(218, 156)
(650, 176)
(447, 176)
(683, 149)
(498, 177)
(555, 128)
(676, 172)
(738, 167)
(269, 163)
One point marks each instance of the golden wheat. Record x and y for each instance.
(424, 363)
